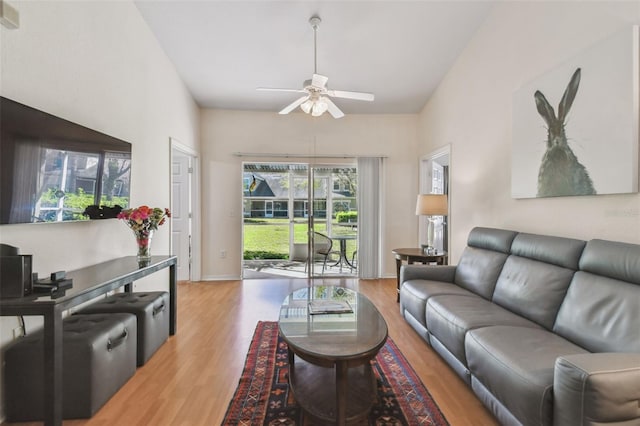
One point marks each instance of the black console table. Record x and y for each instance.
(88, 283)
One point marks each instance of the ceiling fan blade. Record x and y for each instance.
(333, 109)
(293, 105)
(319, 81)
(276, 89)
(360, 96)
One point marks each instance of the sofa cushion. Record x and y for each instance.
(535, 278)
(559, 251)
(601, 314)
(478, 270)
(482, 259)
(612, 259)
(415, 293)
(491, 239)
(532, 289)
(516, 364)
(449, 318)
(601, 311)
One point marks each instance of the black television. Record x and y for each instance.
(53, 170)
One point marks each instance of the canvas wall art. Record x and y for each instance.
(575, 128)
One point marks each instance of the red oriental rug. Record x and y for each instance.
(263, 396)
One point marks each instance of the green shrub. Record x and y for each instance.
(347, 217)
(253, 220)
(263, 254)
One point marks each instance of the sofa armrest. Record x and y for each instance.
(444, 273)
(596, 389)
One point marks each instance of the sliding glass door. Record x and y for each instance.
(294, 228)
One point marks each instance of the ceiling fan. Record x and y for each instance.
(316, 99)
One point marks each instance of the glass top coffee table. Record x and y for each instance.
(332, 334)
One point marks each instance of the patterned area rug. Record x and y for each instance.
(263, 396)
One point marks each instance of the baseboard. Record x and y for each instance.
(220, 278)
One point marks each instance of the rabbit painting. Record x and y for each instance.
(560, 171)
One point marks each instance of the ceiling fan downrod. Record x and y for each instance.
(315, 23)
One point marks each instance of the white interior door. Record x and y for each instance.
(437, 187)
(181, 214)
(433, 170)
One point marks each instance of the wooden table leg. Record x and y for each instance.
(341, 393)
(398, 265)
(291, 363)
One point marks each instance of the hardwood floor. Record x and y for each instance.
(192, 377)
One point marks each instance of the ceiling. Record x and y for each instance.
(398, 50)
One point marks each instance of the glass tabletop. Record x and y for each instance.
(335, 335)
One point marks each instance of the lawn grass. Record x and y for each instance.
(271, 235)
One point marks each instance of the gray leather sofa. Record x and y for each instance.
(545, 330)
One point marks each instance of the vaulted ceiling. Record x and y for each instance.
(398, 50)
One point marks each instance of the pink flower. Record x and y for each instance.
(144, 218)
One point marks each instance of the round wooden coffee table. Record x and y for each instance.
(330, 353)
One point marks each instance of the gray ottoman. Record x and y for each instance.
(99, 356)
(152, 312)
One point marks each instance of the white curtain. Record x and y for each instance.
(369, 223)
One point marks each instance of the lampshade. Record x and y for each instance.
(315, 105)
(320, 107)
(432, 205)
(306, 106)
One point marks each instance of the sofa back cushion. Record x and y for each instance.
(482, 259)
(559, 251)
(620, 261)
(601, 311)
(535, 278)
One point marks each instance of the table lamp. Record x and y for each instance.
(431, 205)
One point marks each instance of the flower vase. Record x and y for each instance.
(143, 240)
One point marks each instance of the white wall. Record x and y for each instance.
(472, 110)
(96, 64)
(227, 132)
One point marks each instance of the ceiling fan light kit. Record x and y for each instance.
(316, 99)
